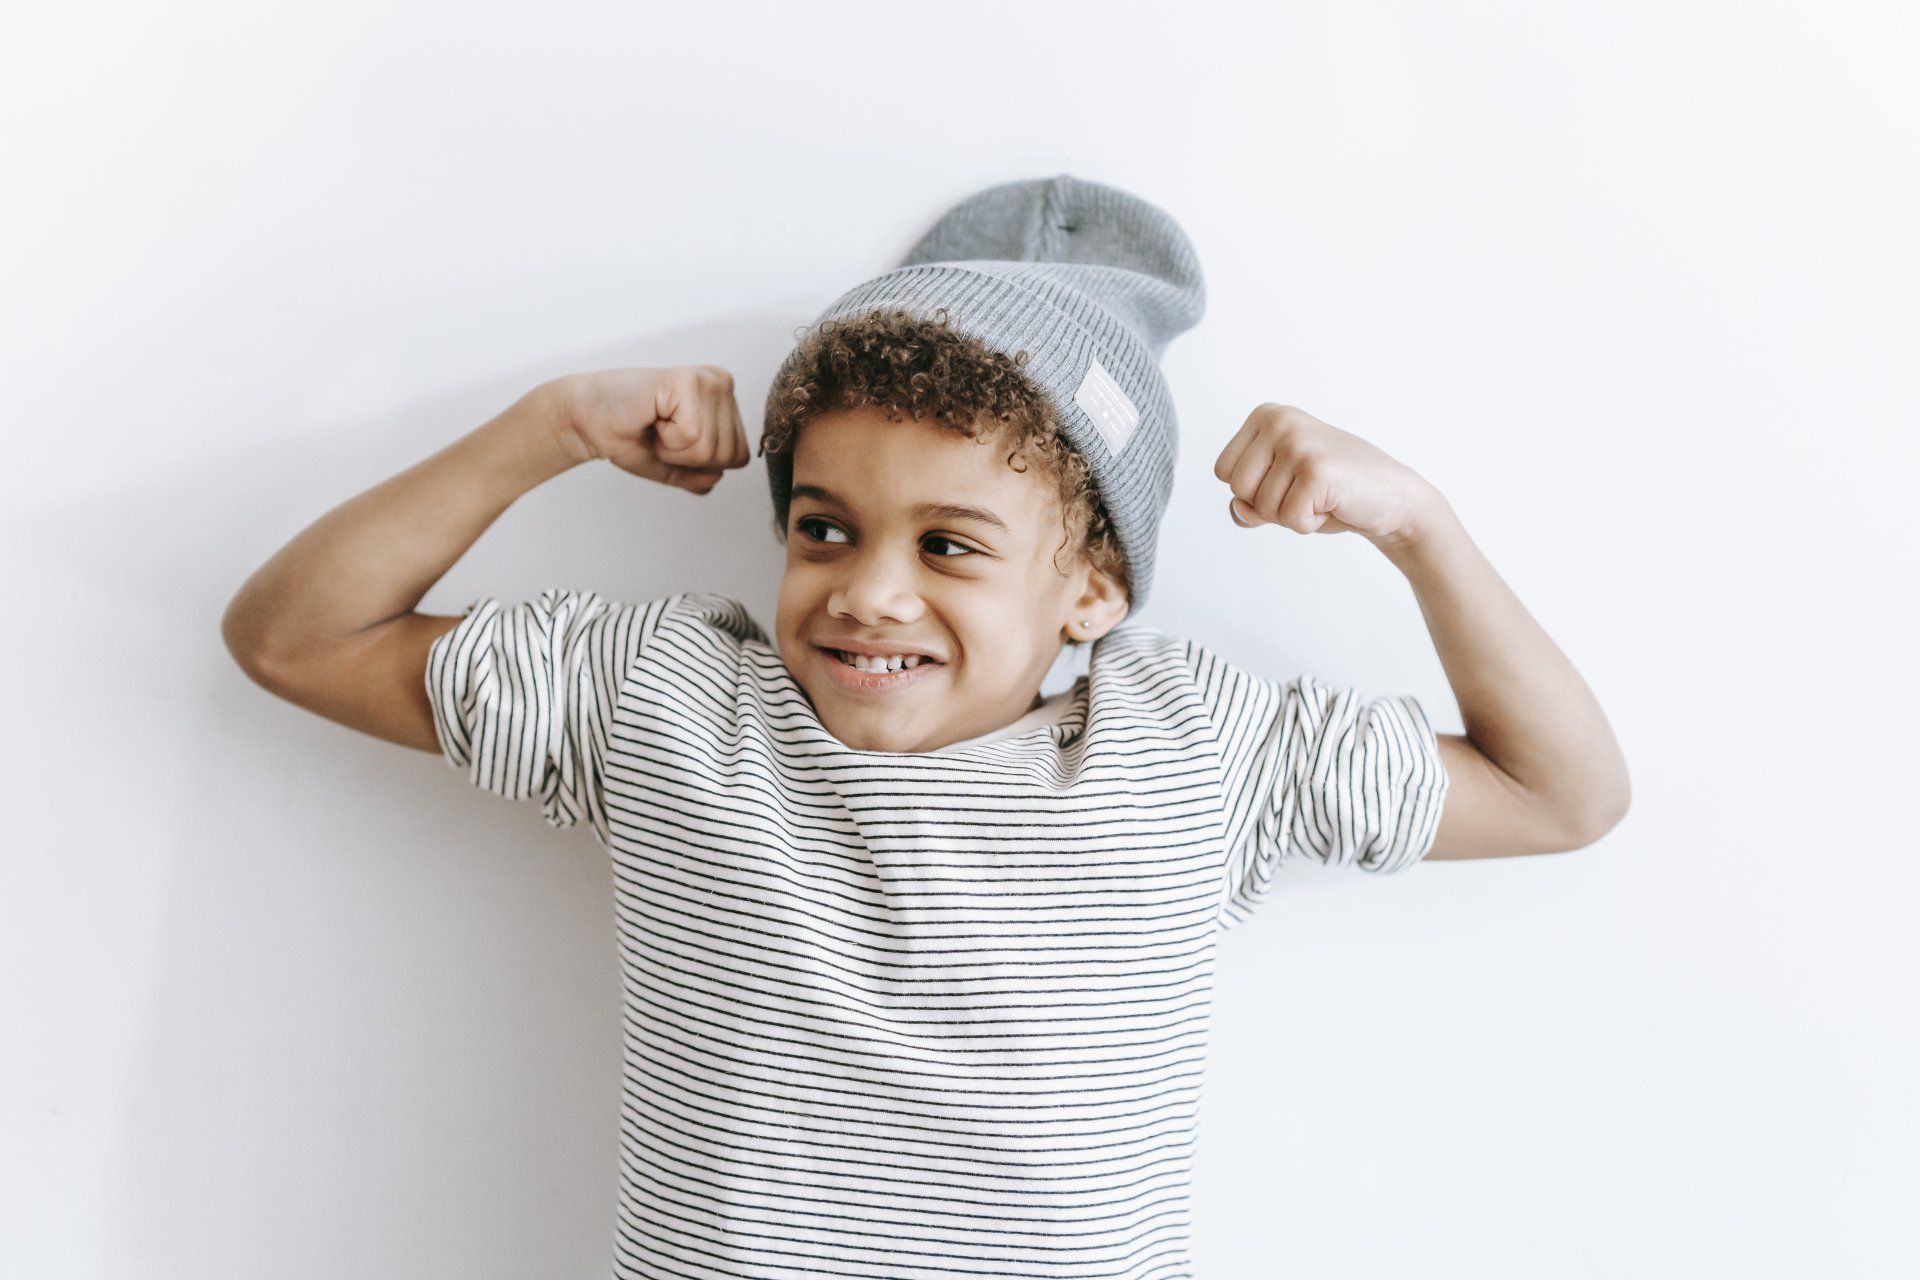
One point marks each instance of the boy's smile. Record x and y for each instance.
(910, 543)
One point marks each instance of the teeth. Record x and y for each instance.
(862, 662)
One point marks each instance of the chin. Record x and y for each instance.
(850, 732)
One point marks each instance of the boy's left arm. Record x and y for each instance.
(1538, 770)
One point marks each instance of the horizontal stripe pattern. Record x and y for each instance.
(1319, 773)
(915, 1014)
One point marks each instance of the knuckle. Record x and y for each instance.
(1292, 439)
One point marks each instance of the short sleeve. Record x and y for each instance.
(1313, 770)
(523, 697)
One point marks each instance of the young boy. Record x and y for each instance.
(917, 964)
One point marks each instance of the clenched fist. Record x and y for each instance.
(680, 426)
(1287, 467)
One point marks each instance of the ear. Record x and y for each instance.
(1101, 604)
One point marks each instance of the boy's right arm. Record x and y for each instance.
(328, 622)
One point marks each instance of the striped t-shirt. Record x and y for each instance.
(916, 1014)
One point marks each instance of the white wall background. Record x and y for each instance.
(1633, 283)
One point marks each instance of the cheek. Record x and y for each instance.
(802, 583)
(800, 603)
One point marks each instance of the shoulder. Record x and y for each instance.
(573, 624)
(1227, 696)
(577, 619)
(708, 611)
(1140, 651)
(1148, 679)
(717, 616)
(702, 628)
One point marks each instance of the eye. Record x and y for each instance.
(803, 523)
(806, 524)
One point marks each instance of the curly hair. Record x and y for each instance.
(927, 370)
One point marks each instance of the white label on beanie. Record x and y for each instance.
(1108, 406)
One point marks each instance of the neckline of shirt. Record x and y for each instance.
(1051, 711)
(1067, 710)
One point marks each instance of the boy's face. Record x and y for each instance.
(868, 567)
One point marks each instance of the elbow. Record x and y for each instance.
(242, 643)
(1604, 805)
(1594, 824)
(233, 634)
(1620, 799)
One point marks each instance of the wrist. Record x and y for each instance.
(1432, 522)
(532, 440)
(553, 405)
(559, 408)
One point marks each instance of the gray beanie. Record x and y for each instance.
(1092, 283)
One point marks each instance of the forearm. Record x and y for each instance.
(372, 558)
(1524, 705)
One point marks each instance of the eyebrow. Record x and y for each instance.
(937, 510)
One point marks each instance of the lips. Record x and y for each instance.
(854, 680)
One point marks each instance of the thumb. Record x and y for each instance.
(1243, 515)
(674, 434)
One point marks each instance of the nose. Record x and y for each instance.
(875, 587)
